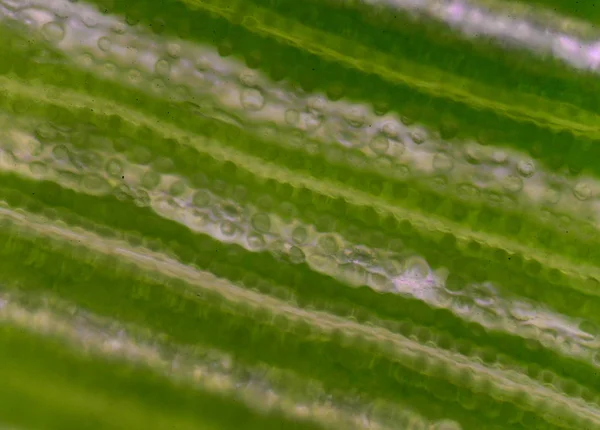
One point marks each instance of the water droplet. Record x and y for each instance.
(582, 191)
(526, 168)
(296, 255)
(355, 116)
(134, 76)
(380, 144)
(249, 78)
(95, 183)
(418, 136)
(53, 31)
(174, 50)
(252, 99)
(90, 20)
(158, 86)
(114, 168)
(162, 67)
(261, 222)
(256, 241)
(329, 244)
(391, 129)
(299, 235)
(417, 267)
(292, 117)
(228, 228)
(104, 44)
(150, 179)
(201, 198)
(177, 188)
(46, 132)
(512, 183)
(61, 152)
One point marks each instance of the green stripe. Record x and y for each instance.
(267, 309)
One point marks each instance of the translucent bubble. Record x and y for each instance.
(162, 67)
(256, 241)
(512, 183)
(85, 60)
(203, 64)
(300, 235)
(322, 262)
(201, 198)
(228, 228)
(582, 191)
(95, 183)
(418, 136)
(455, 283)
(104, 44)
(114, 168)
(119, 28)
(379, 144)
(231, 211)
(53, 31)
(61, 152)
(442, 162)
(46, 132)
(292, 117)
(355, 116)
(381, 282)
(391, 129)
(499, 157)
(252, 99)
(158, 86)
(261, 222)
(417, 267)
(249, 78)
(329, 244)
(526, 168)
(316, 105)
(151, 179)
(90, 20)
(296, 255)
(109, 69)
(134, 76)
(141, 199)
(174, 50)
(177, 188)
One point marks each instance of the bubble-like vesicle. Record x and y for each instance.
(329, 244)
(296, 255)
(252, 99)
(201, 199)
(261, 222)
(299, 235)
(53, 31)
(526, 168)
(379, 144)
(582, 191)
(162, 67)
(104, 44)
(114, 168)
(512, 183)
(455, 283)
